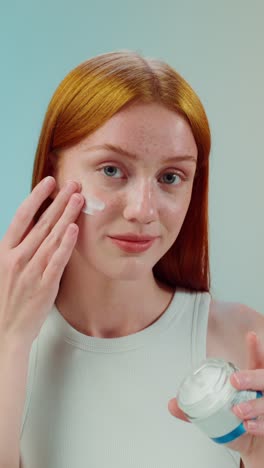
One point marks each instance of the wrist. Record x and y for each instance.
(15, 348)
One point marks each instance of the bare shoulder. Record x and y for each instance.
(228, 324)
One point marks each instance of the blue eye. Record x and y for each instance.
(111, 171)
(169, 178)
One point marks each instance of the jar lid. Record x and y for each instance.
(207, 389)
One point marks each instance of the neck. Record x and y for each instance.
(98, 306)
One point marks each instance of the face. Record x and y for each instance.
(140, 183)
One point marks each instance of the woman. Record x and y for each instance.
(112, 270)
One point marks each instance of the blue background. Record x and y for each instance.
(216, 46)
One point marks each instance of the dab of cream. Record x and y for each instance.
(92, 205)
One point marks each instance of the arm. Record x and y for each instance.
(14, 360)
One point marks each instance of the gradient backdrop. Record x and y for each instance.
(216, 46)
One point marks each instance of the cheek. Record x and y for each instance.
(172, 219)
(91, 226)
(174, 212)
(93, 229)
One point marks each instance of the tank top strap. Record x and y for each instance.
(200, 316)
(201, 307)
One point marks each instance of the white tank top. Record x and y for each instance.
(103, 402)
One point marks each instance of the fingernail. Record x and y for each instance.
(252, 332)
(252, 425)
(242, 410)
(71, 185)
(236, 378)
(47, 181)
(240, 379)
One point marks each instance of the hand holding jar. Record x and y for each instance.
(228, 404)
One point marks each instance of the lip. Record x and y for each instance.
(133, 246)
(133, 237)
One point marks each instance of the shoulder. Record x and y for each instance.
(228, 324)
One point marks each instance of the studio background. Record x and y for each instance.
(216, 46)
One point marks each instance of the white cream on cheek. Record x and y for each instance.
(139, 195)
(92, 204)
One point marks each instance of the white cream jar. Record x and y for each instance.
(206, 397)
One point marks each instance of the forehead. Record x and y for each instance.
(144, 129)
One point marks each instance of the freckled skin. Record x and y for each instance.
(137, 202)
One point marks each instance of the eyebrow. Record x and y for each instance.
(118, 149)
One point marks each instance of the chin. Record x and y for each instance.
(132, 270)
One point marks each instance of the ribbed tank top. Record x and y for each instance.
(103, 402)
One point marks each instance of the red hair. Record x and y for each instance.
(90, 95)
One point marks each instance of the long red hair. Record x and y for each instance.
(90, 95)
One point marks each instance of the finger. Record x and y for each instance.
(250, 409)
(260, 350)
(61, 256)
(176, 411)
(253, 359)
(248, 380)
(46, 222)
(42, 257)
(255, 427)
(26, 211)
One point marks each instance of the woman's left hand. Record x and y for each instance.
(251, 444)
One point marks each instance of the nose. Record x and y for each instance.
(141, 203)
